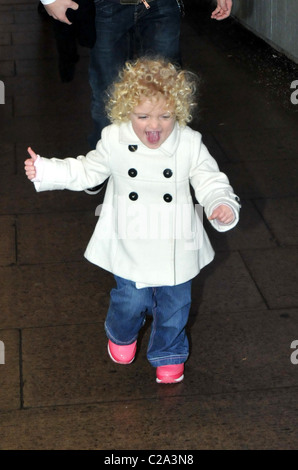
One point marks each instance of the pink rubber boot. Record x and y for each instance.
(172, 373)
(122, 354)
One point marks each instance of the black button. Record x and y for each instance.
(132, 172)
(132, 148)
(167, 173)
(167, 197)
(133, 196)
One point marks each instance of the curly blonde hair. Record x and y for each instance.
(152, 79)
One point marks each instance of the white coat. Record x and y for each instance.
(148, 230)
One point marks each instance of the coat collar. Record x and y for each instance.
(127, 136)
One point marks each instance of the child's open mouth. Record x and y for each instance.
(153, 136)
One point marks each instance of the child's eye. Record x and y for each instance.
(166, 116)
(142, 117)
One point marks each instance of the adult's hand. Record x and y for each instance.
(223, 9)
(58, 8)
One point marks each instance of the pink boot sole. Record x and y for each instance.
(172, 373)
(122, 354)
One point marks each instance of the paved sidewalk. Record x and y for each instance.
(58, 387)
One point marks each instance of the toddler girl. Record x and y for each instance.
(149, 234)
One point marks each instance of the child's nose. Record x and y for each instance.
(154, 123)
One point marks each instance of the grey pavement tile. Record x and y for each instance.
(33, 36)
(19, 86)
(234, 108)
(208, 60)
(259, 144)
(40, 127)
(264, 420)
(55, 98)
(69, 364)
(34, 51)
(6, 53)
(214, 148)
(53, 294)
(29, 16)
(7, 69)
(10, 389)
(5, 40)
(258, 179)
(281, 216)
(225, 285)
(250, 233)
(6, 17)
(8, 240)
(276, 274)
(61, 237)
(29, 201)
(7, 161)
(18, 28)
(248, 350)
(44, 69)
(14, 3)
(6, 109)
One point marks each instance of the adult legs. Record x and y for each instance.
(156, 31)
(111, 50)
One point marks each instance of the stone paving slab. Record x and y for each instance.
(53, 294)
(281, 216)
(8, 160)
(221, 422)
(29, 201)
(58, 387)
(13, 4)
(10, 373)
(258, 144)
(41, 128)
(230, 352)
(8, 242)
(257, 179)
(52, 238)
(276, 274)
(251, 232)
(225, 285)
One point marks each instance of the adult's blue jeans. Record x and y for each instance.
(122, 33)
(169, 307)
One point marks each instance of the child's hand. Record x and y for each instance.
(224, 214)
(30, 169)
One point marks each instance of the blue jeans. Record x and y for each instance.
(123, 32)
(169, 307)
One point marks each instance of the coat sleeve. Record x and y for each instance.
(76, 174)
(211, 186)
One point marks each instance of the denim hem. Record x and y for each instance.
(169, 360)
(116, 341)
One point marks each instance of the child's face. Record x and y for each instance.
(152, 122)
